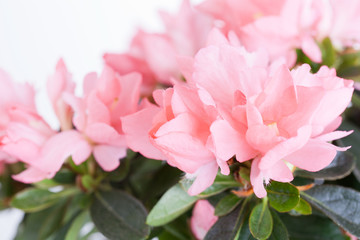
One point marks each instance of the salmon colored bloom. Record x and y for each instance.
(154, 55)
(202, 219)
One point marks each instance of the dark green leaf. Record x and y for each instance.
(282, 196)
(312, 227)
(279, 231)
(121, 172)
(229, 226)
(39, 225)
(221, 183)
(303, 207)
(33, 199)
(340, 167)
(261, 222)
(340, 204)
(352, 140)
(171, 205)
(118, 215)
(227, 204)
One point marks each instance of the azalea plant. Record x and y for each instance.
(239, 121)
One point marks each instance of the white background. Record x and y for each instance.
(34, 34)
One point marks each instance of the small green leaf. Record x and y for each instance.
(328, 52)
(279, 231)
(227, 204)
(221, 183)
(303, 207)
(340, 167)
(282, 196)
(88, 182)
(171, 205)
(340, 204)
(118, 215)
(33, 199)
(261, 222)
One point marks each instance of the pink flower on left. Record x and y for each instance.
(96, 118)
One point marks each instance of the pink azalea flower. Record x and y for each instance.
(202, 219)
(12, 96)
(236, 13)
(57, 84)
(155, 55)
(178, 130)
(270, 114)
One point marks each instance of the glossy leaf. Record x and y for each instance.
(304, 208)
(340, 204)
(171, 205)
(76, 226)
(118, 215)
(312, 227)
(261, 222)
(221, 183)
(340, 167)
(279, 231)
(282, 196)
(227, 204)
(352, 140)
(33, 199)
(230, 226)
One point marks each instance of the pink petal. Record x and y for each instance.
(314, 156)
(108, 157)
(103, 133)
(205, 176)
(202, 219)
(285, 148)
(311, 49)
(257, 179)
(228, 142)
(136, 128)
(32, 175)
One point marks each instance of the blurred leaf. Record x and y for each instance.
(88, 182)
(340, 204)
(122, 171)
(221, 183)
(179, 228)
(76, 225)
(261, 222)
(40, 225)
(352, 140)
(64, 176)
(279, 231)
(118, 215)
(230, 226)
(303, 207)
(340, 167)
(282, 196)
(312, 227)
(33, 199)
(171, 205)
(328, 52)
(81, 168)
(227, 204)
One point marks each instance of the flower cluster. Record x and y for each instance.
(223, 84)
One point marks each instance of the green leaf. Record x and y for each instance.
(311, 227)
(33, 199)
(340, 204)
(279, 231)
(230, 226)
(171, 205)
(118, 215)
(76, 226)
(261, 222)
(282, 196)
(353, 141)
(39, 225)
(227, 204)
(88, 182)
(303, 207)
(340, 167)
(328, 52)
(221, 183)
